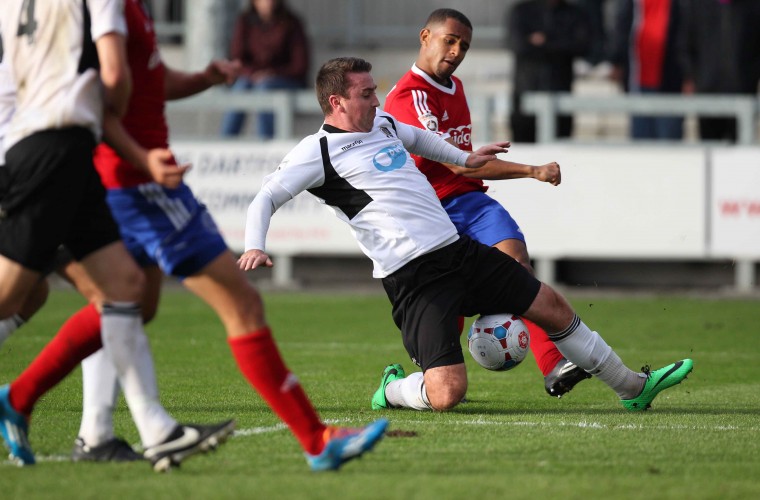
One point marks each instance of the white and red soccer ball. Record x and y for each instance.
(498, 342)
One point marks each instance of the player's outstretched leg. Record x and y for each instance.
(14, 428)
(657, 381)
(343, 444)
(390, 373)
(563, 378)
(187, 440)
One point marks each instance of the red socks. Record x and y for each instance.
(78, 338)
(260, 362)
(546, 353)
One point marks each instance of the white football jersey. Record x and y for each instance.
(50, 48)
(7, 103)
(371, 182)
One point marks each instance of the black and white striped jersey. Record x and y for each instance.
(371, 182)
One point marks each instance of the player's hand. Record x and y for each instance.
(548, 173)
(485, 154)
(163, 168)
(253, 259)
(223, 71)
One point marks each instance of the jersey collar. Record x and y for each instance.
(451, 91)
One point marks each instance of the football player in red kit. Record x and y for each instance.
(429, 96)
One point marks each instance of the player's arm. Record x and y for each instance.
(159, 163)
(271, 197)
(179, 84)
(503, 170)
(114, 72)
(278, 188)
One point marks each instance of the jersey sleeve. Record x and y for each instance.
(301, 169)
(107, 16)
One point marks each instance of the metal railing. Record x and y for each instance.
(547, 106)
(488, 109)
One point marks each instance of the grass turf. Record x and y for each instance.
(700, 440)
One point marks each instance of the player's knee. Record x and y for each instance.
(447, 396)
(134, 282)
(128, 285)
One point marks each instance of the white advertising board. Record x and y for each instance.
(227, 175)
(735, 203)
(613, 202)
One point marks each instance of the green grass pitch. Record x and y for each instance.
(700, 440)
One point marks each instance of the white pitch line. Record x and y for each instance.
(583, 424)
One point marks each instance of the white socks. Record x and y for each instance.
(126, 345)
(100, 392)
(588, 350)
(8, 326)
(408, 392)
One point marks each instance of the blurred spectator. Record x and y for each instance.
(645, 60)
(595, 9)
(270, 42)
(721, 55)
(546, 36)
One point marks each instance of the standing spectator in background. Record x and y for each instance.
(546, 37)
(720, 55)
(595, 9)
(270, 42)
(645, 60)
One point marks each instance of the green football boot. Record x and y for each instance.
(391, 373)
(658, 381)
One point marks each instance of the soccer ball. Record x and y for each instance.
(498, 342)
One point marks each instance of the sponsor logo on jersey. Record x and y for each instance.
(429, 121)
(386, 132)
(349, 146)
(390, 158)
(461, 135)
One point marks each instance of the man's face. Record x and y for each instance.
(362, 101)
(443, 47)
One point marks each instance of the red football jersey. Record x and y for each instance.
(419, 100)
(145, 120)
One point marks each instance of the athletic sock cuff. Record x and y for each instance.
(567, 331)
(263, 334)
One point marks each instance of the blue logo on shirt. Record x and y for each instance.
(390, 158)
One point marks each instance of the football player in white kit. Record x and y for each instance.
(359, 164)
(68, 65)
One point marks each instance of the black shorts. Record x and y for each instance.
(465, 278)
(51, 195)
